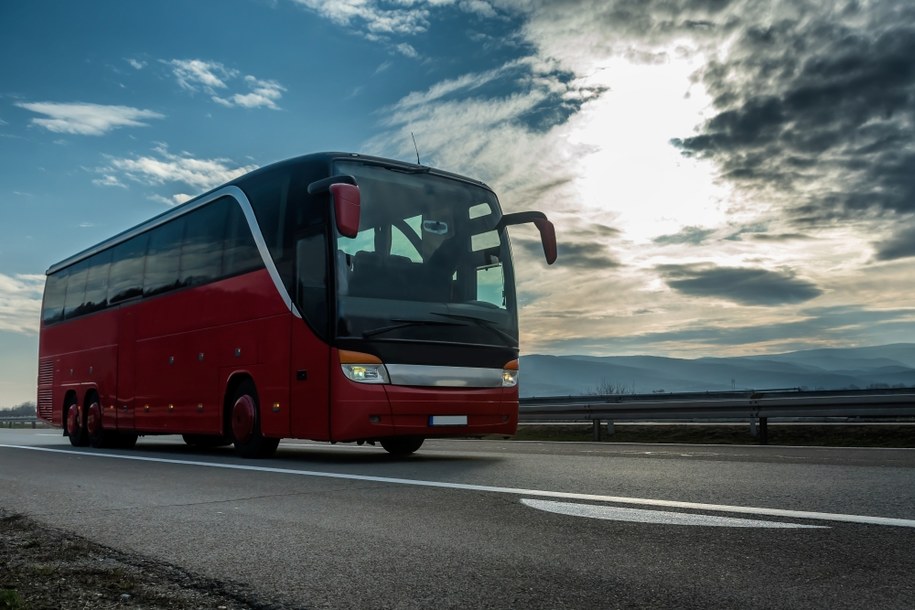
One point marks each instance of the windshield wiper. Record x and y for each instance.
(404, 324)
(482, 322)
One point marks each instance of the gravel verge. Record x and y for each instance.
(45, 568)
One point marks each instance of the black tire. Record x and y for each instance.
(243, 414)
(75, 424)
(402, 446)
(206, 441)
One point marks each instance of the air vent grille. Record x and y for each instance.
(45, 388)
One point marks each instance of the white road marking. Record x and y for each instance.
(517, 491)
(664, 517)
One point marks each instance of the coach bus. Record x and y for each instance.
(334, 297)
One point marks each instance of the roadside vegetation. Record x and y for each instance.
(26, 409)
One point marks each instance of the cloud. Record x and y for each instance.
(813, 107)
(740, 285)
(658, 134)
(216, 80)
(109, 180)
(579, 255)
(263, 94)
(377, 18)
(900, 245)
(197, 74)
(164, 167)
(87, 119)
(389, 21)
(20, 302)
(688, 235)
(810, 328)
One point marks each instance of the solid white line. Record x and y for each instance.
(538, 493)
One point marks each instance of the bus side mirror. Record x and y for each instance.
(345, 195)
(346, 208)
(546, 228)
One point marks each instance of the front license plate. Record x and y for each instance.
(447, 420)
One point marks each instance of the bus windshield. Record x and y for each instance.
(428, 264)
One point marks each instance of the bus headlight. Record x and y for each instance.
(363, 368)
(510, 374)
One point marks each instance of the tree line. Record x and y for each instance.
(25, 409)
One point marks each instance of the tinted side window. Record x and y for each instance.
(201, 254)
(282, 205)
(126, 277)
(76, 289)
(97, 282)
(163, 257)
(241, 252)
(55, 292)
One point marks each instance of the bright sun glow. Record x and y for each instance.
(634, 171)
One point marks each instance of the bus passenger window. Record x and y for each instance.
(76, 289)
(126, 278)
(55, 292)
(97, 282)
(241, 253)
(201, 252)
(163, 258)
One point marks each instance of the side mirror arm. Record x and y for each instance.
(546, 228)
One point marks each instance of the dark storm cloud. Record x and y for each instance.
(759, 232)
(819, 106)
(780, 237)
(901, 245)
(688, 235)
(582, 254)
(741, 285)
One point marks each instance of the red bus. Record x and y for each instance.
(334, 297)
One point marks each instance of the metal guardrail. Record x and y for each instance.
(10, 421)
(754, 406)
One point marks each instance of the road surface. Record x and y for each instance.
(497, 524)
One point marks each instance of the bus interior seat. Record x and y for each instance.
(391, 276)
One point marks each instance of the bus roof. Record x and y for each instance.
(189, 205)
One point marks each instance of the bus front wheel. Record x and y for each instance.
(402, 445)
(245, 425)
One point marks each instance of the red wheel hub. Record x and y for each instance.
(94, 419)
(73, 420)
(243, 418)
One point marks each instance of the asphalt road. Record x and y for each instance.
(472, 524)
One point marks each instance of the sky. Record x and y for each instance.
(726, 178)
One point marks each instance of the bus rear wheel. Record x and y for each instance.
(245, 425)
(97, 436)
(76, 428)
(402, 445)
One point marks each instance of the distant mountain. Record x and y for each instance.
(828, 369)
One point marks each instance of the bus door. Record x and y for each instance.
(310, 352)
(310, 384)
(126, 363)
